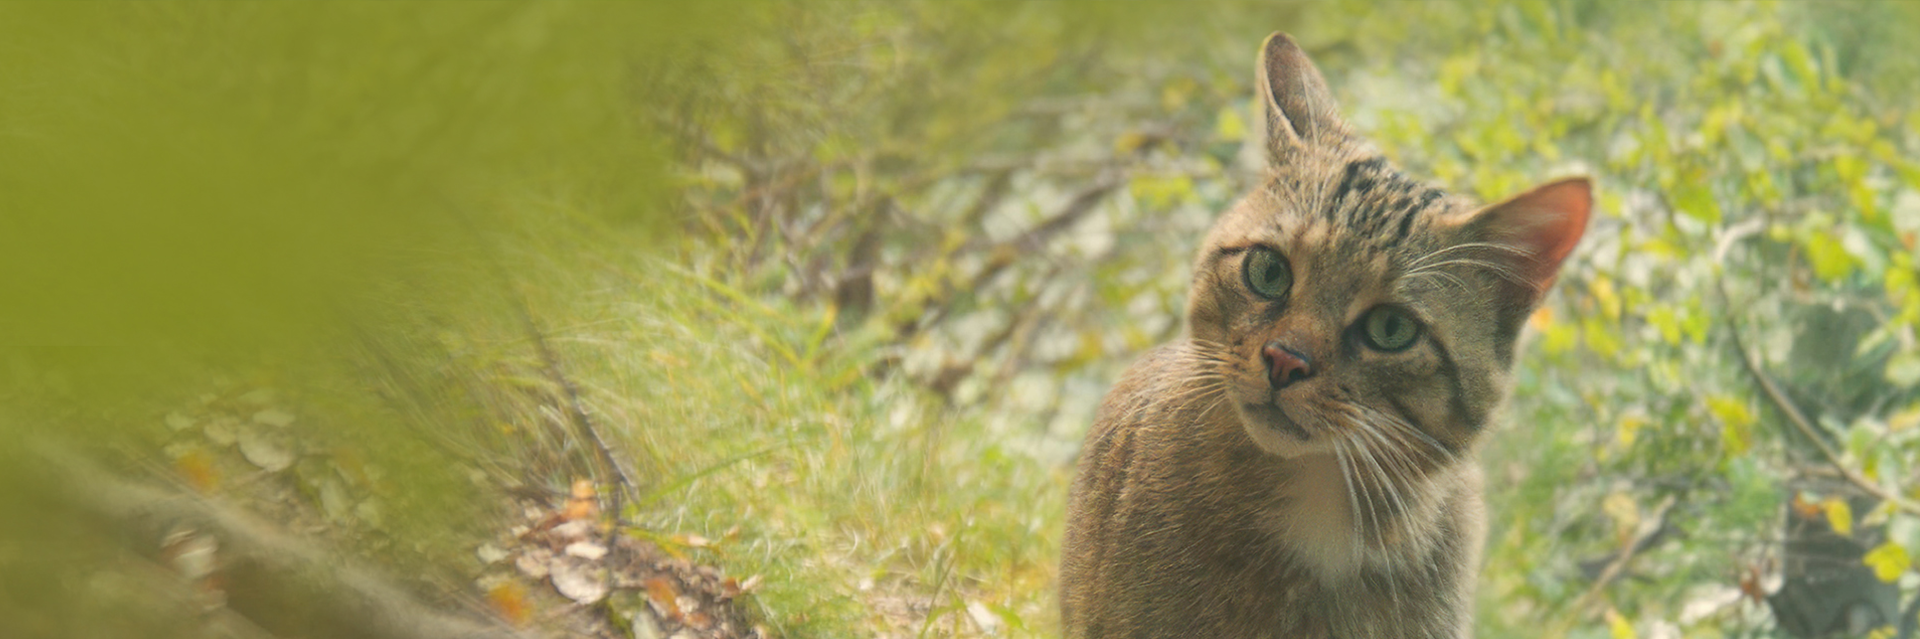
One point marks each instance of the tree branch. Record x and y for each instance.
(284, 584)
(1632, 549)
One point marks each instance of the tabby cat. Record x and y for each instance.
(1302, 463)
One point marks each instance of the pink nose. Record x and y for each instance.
(1285, 365)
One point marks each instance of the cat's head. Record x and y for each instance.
(1344, 302)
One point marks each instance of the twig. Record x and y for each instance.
(1002, 255)
(584, 422)
(575, 410)
(1627, 554)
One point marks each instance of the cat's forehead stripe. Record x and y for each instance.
(1358, 174)
(1366, 199)
(1426, 199)
(1370, 198)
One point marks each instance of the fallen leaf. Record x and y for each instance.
(190, 553)
(572, 531)
(197, 467)
(195, 556)
(490, 554)
(509, 600)
(1804, 508)
(644, 627)
(577, 579)
(663, 597)
(220, 431)
(586, 550)
(265, 450)
(581, 505)
(334, 500)
(533, 562)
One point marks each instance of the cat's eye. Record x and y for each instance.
(1268, 273)
(1390, 329)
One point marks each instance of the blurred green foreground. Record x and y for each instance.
(842, 282)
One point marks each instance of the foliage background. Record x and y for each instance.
(848, 279)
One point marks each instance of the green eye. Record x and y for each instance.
(1268, 273)
(1389, 329)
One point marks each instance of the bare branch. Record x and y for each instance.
(290, 582)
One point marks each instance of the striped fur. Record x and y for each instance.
(1210, 503)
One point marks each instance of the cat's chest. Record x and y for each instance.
(1311, 517)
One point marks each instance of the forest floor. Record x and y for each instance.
(551, 564)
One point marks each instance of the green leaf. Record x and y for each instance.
(1630, 426)
(1229, 126)
(1730, 410)
(1600, 336)
(1157, 191)
(1795, 55)
(1839, 516)
(1667, 322)
(1693, 198)
(1903, 369)
(1736, 423)
(1697, 321)
(1888, 561)
(1830, 260)
(1618, 627)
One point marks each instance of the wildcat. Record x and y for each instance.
(1301, 463)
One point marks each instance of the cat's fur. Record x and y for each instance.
(1213, 501)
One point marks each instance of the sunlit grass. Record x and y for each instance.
(763, 427)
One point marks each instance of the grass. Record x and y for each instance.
(869, 507)
(869, 504)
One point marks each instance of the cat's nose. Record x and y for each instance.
(1285, 365)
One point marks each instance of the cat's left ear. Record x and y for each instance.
(1300, 111)
(1534, 232)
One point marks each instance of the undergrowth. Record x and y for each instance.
(768, 438)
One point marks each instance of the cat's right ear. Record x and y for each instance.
(1534, 232)
(1300, 110)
